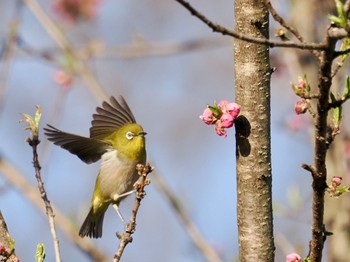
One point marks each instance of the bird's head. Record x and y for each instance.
(129, 140)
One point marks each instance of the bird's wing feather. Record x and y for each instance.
(88, 150)
(110, 117)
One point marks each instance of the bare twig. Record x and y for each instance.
(17, 180)
(283, 23)
(33, 126)
(191, 229)
(309, 168)
(126, 238)
(225, 31)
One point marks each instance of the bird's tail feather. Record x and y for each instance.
(92, 226)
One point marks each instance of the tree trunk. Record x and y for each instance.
(253, 153)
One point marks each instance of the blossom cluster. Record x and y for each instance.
(221, 115)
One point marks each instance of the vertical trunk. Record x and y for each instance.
(252, 80)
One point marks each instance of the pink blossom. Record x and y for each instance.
(63, 79)
(220, 130)
(233, 109)
(208, 117)
(336, 181)
(222, 105)
(227, 120)
(293, 257)
(301, 106)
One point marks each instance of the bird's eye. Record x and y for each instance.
(129, 135)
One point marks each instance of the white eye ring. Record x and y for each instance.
(129, 135)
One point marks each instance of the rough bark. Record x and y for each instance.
(253, 153)
(7, 242)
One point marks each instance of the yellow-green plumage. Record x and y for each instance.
(119, 142)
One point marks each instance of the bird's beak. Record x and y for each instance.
(142, 134)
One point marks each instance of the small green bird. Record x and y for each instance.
(119, 141)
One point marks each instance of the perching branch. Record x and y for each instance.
(126, 238)
(33, 126)
(264, 41)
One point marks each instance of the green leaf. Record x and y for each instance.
(40, 253)
(346, 93)
(336, 20)
(216, 111)
(337, 115)
(33, 122)
(340, 9)
(342, 190)
(339, 20)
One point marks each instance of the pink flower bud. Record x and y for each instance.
(208, 117)
(219, 129)
(301, 83)
(301, 106)
(293, 257)
(227, 120)
(233, 109)
(222, 105)
(336, 181)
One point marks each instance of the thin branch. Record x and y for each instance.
(283, 23)
(319, 184)
(126, 238)
(309, 168)
(18, 181)
(225, 31)
(34, 142)
(191, 229)
(342, 52)
(337, 103)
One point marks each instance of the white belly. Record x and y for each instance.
(116, 176)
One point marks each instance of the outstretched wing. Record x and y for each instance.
(88, 150)
(110, 117)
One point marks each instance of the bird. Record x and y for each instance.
(119, 142)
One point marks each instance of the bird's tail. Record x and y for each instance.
(92, 226)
